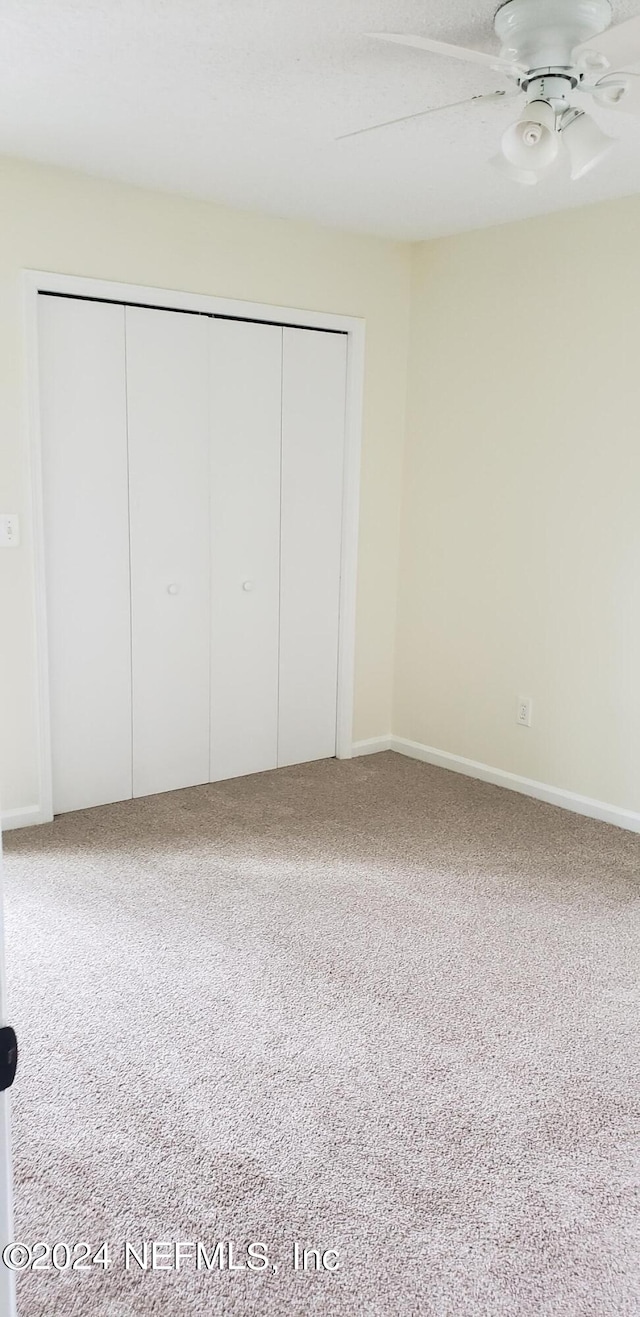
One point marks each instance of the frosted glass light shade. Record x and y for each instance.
(525, 176)
(586, 143)
(532, 142)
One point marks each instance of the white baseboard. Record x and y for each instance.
(28, 815)
(499, 777)
(23, 817)
(373, 746)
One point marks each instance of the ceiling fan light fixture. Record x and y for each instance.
(524, 176)
(531, 143)
(585, 142)
(556, 52)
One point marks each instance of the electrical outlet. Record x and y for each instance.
(9, 531)
(523, 712)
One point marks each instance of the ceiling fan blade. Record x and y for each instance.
(620, 45)
(435, 109)
(443, 48)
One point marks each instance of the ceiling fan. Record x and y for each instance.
(556, 52)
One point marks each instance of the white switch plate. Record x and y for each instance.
(523, 711)
(9, 530)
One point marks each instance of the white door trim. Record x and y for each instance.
(7, 1278)
(37, 281)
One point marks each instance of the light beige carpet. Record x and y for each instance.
(366, 1006)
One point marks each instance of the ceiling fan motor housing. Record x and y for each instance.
(542, 34)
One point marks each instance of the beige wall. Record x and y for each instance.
(53, 220)
(520, 558)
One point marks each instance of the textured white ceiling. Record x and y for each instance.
(241, 100)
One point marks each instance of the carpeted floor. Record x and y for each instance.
(368, 1006)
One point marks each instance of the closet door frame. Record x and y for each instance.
(35, 282)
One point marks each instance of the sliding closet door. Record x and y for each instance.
(246, 382)
(168, 418)
(86, 528)
(313, 412)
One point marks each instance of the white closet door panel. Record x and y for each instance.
(314, 377)
(86, 522)
(246, 372)
(168, 420)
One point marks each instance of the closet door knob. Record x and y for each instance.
(173, 588)
(247, 585)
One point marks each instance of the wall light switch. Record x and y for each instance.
(9, 530)
(523, 712)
